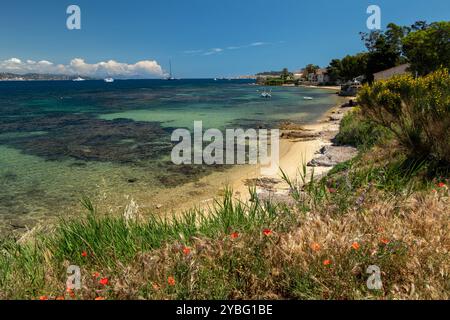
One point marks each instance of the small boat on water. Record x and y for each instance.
(170, 77)
(78, 79)
(308, 98)
(109, 80)
(266, 94)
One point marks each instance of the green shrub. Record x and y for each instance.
(359, 132)
(415, 110)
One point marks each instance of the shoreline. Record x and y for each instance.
(202, 194)
(294, 152)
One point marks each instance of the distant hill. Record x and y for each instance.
(36, 77)
(270, 73)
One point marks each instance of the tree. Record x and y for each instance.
(335, 70)
(428, 47)
(286, 75)
(348, 68)
(385, 48)
(354, 66)
(310, 68)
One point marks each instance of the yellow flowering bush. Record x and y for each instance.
(415, 110)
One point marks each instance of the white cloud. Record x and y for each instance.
(213, 51)
(220, 50)
(78, 66)
(193, 51)
(258, 44)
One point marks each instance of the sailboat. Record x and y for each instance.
(78, 79)
(170, 74)
(109, 80)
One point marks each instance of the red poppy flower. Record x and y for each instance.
(441, 185)
(96, 274)
(186, 250)
(326, 262)
(70, 292)
(43, 298)
(104, 281)
(84, 254)
(171, 281)
(384, 241)
(60, 298)
(100, 298)
(267, 232)
(234, 235)
(355, 246)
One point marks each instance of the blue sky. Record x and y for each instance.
(195, 34)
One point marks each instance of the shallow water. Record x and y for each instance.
(60, 140)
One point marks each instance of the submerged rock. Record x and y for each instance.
(89, 139)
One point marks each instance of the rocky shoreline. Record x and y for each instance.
(328, 155)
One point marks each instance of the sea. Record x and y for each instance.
(61, 141)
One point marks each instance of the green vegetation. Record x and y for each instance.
(348, 68)
(428, 48)
(357, 131)
(425, 46)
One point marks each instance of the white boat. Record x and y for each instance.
(266, 94)
(170, 78)
(78, 79)
(109, 80)
(308, 98)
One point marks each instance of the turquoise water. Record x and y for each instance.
(60, 140)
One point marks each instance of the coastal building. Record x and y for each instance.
(298, 75)
(319, 77)
(389, 73)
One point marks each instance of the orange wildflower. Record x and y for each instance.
(100, 298)
(267, 232)
(70, 292)
(355, 245)
(384, 241)
(171, 281)
(326, 262)
(60, 298)
(42, 298)
(315, 246)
